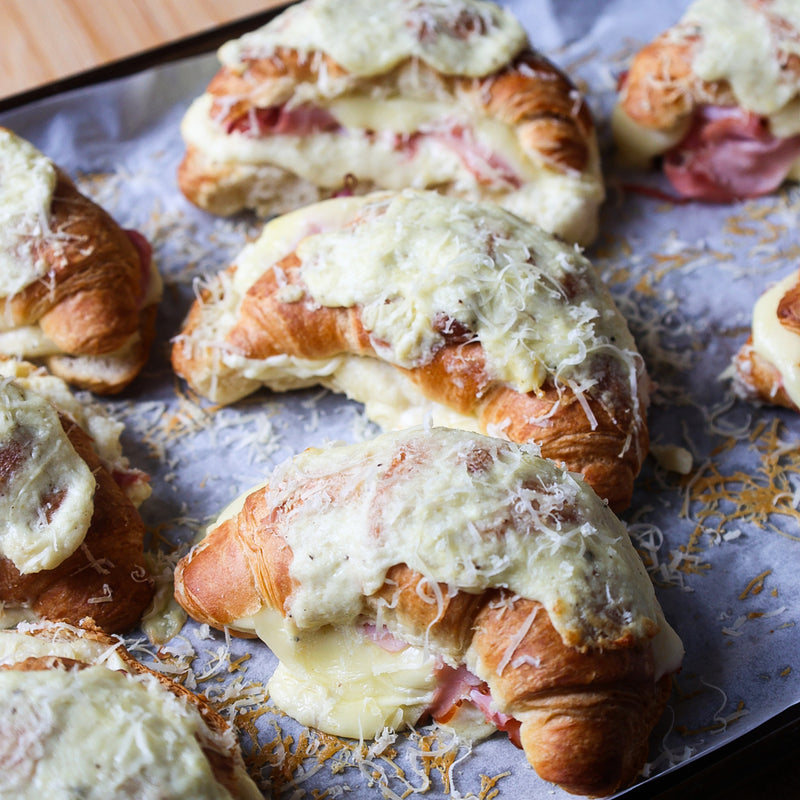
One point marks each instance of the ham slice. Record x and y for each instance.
(301, 120)
(729, 154)
(307, 119)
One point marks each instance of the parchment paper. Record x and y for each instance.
(721, 541)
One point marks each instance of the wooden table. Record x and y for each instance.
(42, 41)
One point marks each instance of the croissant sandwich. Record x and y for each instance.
(436, 572)
(349, 96)
(79, 716)
(716, 98)
(767, 367)
(78, 292)
(71, 538)
(418, 304)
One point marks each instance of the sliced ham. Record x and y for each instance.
(458, 686)
(301, 120)
(729, 154)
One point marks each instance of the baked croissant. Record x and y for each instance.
(435, 572)
(117, 728)
(767, 367)
(79, 292)
(448, 96)
(717, 98)
(71, 539)
(415, 304)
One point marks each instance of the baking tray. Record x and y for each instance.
(685, 276)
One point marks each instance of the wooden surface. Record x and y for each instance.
(46, 40)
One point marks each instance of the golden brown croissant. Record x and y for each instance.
(416, 304)
(717, 97)
(71, 542)
(100, 695)
(437, 571)
(79, 292)
(767, 366)
(448, 96)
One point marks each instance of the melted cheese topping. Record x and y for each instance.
(27, 182)
(518, 522)
(425, 256)
(47, 490)
(739, 46)
(775, 343)
(97, 733)
(466, 37)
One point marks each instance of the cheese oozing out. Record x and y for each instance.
(47, 490)
(466, 37)
(536, 305)
(775, 343)
(27, 183)
(463, 510)
(99, 733)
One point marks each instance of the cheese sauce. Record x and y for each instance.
(97, 733)
(466, 37)
(739, 46)
(47, 490)
(27, 182)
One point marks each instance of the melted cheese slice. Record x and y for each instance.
(339, 681)
(97, 733)
(47, 490)
(27, 182)
(465, 37)
(775, 343)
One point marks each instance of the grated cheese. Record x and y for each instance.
(433, 31)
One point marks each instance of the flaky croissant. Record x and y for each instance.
(91, 669)
(71, 542)
(456, 100)
(79, 292)
(767, 366)
(430, 572)
(716, 98)
(416, 304)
